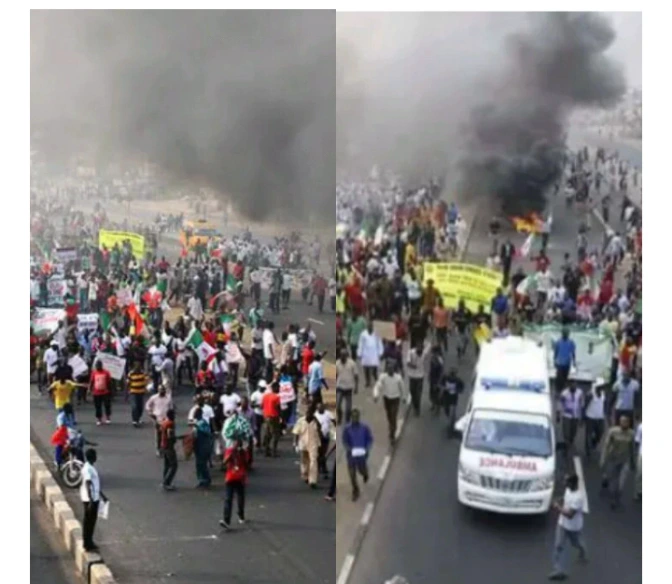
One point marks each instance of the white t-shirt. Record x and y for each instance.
(595, 409)
(638, 438)
(267, 339)
(157, 354)
(229, 402)
(208, 413)
(325, 420)
(286, 282)
(572, 500)
(51, 360)
(89, 473)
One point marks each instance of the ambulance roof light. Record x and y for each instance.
(512, 385)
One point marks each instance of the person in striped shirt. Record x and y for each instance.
(137, 388)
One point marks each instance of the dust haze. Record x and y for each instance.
(241, 101)
(480, 98)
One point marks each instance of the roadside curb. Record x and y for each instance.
(379, 480)
(90, 566)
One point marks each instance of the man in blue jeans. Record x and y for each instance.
(570, 528)
(564, 356)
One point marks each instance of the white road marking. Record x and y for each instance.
(344, 574)
(578, 468)
(316, 321)
(183, 539)
(383, 469)
(368, 511)
(400, 425)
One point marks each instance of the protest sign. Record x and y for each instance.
(65, 254)
(594, 349)
(56, 288)
(45, 320)
(115, 365)
(385, 330)
(87, 322)
(300, 278)
(79, 366)
(110, 238)
(287, 393)
(454, 281)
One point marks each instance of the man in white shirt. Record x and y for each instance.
(51, 361)
(286, 289)
(195, 308)
(156, 353)
(369, 352)
(268, 342)
(595, 414)
(569, 529)
(90, 493)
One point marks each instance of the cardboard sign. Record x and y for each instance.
(87, 322)
(385, 330)
(287, 393)
(45, 320)
(115, 365)
(79, 366)
(65, 254)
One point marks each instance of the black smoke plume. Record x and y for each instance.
(516, 131)
(242, 101)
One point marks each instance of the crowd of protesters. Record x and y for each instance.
(166, 328)
(386, 232)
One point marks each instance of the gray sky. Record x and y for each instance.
(627, 47)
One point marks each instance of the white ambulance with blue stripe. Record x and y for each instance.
(507, 457)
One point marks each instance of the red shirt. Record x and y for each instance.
(100, 382)
(33, 344)
(307, 357)
(204, 378)
(236, 465)
(270, 405)
(210, 337)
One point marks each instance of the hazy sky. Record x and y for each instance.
(627, 47)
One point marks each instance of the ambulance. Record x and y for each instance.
(507, 459)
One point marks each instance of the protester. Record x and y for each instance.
(91, 495)
(236, 464)
(357, 441)
(569, 529)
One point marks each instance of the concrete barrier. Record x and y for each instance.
(90, 566)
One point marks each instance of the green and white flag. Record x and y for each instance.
(204, 351)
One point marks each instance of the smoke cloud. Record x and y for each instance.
(241, 101)
(481, 98)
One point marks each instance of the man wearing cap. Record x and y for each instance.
(256, 400)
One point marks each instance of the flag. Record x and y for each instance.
(204, 351)
(105, 320)
(231, 283)
(527, 246)
(136, 320)
(227, 321)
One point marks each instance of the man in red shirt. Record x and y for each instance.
(270, 405)
(99, 386)
(236, 461)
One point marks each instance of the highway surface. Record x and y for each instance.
(420, 531)
(155, 537)
(50, 562)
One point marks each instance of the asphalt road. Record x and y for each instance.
(154, 537)
(49, 560)
(421, 532)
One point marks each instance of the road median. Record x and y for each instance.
(90, 566)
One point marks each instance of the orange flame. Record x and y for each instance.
(531, 223)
